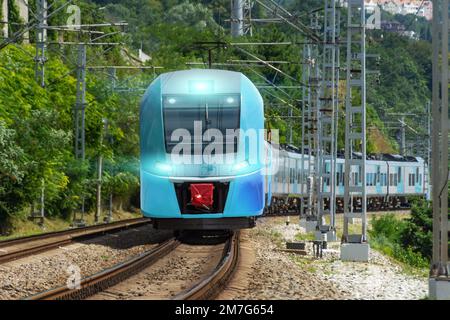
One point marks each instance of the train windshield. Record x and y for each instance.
(204, 118)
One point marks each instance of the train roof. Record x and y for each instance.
(211, 81)
(357, 155)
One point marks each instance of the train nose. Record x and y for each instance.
(202, 195)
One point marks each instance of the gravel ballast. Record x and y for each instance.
(275, 274)
(30, 275)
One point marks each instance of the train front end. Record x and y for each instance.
(202, 150)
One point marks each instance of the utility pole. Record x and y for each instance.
(427, 173)
(439, 283)
(290, 125)
(41, 42)
(79, 111)
(327, 124)
(5, 18)
(403, 127)
(305, 143)
(403, 133)
(99, 173)
(241, 17)
(42, 202)
(355, 246)
(237, 18)
(311, 135)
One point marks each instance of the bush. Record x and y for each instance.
(390, 236)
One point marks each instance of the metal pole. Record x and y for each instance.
(41, 42)
(79, 111)
(43, 200)
(440, 267)
(443, 185)
(99, 175)
(5, 18)
(290, 125)
(237, 18)
(80, 104)
(403, 137)
(110, 216)
(435, 141)
(355, 129)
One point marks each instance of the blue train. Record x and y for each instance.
(196, 171)
(390, 180)
(198, 165)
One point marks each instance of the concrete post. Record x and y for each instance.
(23, 12)
(237, 18)
(5, 18)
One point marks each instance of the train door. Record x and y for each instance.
(401, 180)
(378, 180)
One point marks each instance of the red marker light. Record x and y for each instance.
(202, 195)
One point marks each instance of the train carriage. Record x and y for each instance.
(187, 178)
(390, 180)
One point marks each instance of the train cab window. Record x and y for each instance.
(219, 112)
(417, 175)
(420, 179)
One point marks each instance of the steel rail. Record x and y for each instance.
(21, 247)
(210, 286)
(109, 277)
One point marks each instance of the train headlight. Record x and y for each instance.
(201, 87)
(230, 100)
(241, 165)
(163, 167)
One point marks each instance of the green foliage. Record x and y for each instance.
(387, 235)
(417, 233)
(11, 172)
(14, 16)
(36, 135)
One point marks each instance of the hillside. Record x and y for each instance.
(36, 124)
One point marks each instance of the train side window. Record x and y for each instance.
(417, 175)
(292, 175)
(399, 175)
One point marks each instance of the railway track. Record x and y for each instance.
(207, 288)
(210, 286)
(26, 246)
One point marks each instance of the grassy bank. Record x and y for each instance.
(21, 226)
(388, 234)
